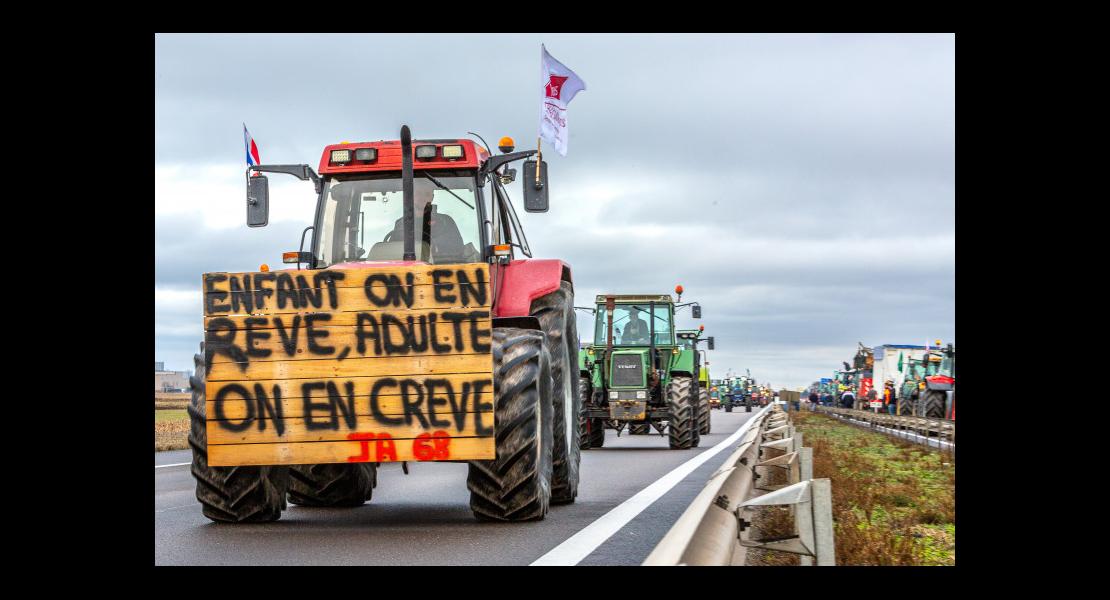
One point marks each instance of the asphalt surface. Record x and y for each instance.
(424, 518)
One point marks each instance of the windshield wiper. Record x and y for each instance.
(443, 187)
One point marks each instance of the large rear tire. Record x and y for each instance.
(332, 484)
(703, 416)
(516, 485)
(682, 427)
(230, 494)
(555, 312)
(933, 404)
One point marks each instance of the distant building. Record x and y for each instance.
(159, 366)
(171, 381)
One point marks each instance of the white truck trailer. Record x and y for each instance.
(886, 364)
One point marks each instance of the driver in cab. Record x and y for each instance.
(636, 332)
(435, 228)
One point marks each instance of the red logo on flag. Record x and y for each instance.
(554, 87)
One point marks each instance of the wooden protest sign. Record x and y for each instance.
(353, 365)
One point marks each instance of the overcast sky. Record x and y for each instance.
(800, 187)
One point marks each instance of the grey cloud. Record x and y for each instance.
(803, 186)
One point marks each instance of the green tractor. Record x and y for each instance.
(928, 380)
(688, 340)
(910, 391)
(636, 374)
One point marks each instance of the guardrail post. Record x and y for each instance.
(821, 502)
(813, 526)
(805, 460)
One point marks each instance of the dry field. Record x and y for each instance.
(171, 422)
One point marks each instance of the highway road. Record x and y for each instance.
(424, 518)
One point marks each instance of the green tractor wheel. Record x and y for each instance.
(583, 415)
(597, 432)
(682, 426)
(703, 414)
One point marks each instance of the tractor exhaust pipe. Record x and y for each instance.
(406, 193)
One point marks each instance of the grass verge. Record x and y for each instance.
(894, 502)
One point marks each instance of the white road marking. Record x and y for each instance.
(173, 465)
(176, 507)
(580, 545)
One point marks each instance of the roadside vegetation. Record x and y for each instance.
(894, 502)
(171, 422)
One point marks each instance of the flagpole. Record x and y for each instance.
(539, 157)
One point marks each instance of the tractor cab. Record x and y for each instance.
(459, 212)
(639, 374)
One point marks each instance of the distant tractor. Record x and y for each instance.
(636, 375)
(938, 383)
(911, 388)
(715, 395)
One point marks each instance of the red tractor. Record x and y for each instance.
(405, 232)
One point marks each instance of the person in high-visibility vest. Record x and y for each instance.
(888, 397)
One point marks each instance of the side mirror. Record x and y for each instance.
(258, 201)
(535, 192)
(710, 342)
(696, 309)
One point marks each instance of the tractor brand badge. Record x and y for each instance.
(554, 86)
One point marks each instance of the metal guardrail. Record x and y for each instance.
(942, 429)
(715, 529)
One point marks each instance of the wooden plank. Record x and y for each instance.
(390, 406)
(347, 300)
(299, 453)
(234, 404)
(333, 427)
(422, 273)
(399, 366)
(346, 289)
(289, 321)
(401, 333)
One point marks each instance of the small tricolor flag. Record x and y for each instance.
(251, 148)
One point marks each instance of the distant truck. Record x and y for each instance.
(888, 358)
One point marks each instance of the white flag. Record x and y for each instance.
(560, 84)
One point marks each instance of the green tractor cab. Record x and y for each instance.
(636, 375)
